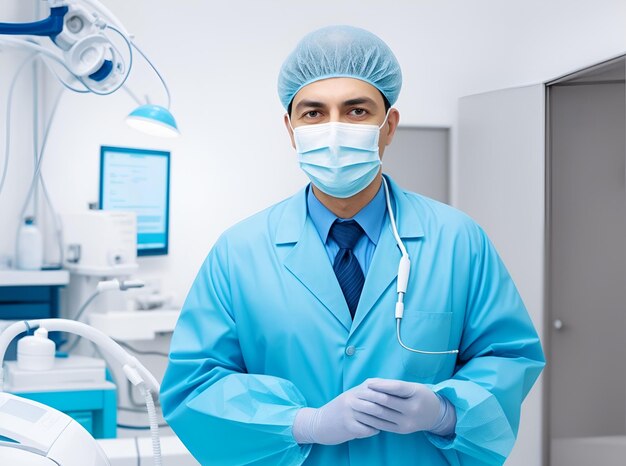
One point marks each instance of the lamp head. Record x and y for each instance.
(154, 120)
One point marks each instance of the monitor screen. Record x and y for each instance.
(137, 180)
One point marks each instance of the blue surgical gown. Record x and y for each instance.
(265, 331)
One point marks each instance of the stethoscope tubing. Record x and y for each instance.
(404, 268)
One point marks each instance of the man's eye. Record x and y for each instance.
(312, 114)
(359, 111)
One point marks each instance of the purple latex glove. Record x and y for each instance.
(406, 407)
(337, 421)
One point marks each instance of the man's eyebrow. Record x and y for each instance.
(359, 101)
(309, 104)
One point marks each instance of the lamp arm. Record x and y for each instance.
(167, 89)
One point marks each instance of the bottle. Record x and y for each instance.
(36, 352)
(29, 246)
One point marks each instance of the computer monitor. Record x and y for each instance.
(138, 180)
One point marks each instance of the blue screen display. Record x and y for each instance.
(137, 180)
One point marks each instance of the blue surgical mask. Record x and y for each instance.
(340, 159)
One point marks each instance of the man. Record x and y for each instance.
(288, 349)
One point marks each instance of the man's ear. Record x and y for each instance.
(392, 124)
(289, 130)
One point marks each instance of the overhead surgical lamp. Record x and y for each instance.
(77, 28)
(153, 119)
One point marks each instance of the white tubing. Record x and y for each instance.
(154, 425)
(413, 350)
(392, 219)
(404, 268)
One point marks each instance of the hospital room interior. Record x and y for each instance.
(135, 135)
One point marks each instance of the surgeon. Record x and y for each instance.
(289, 349)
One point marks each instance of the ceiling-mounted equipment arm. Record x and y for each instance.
(82, 31)
(87, 52)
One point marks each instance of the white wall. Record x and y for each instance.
(221, 60)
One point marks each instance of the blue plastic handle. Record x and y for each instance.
(51, 26)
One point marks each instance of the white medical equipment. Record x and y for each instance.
(75, 385)
(31, 433)
(100, 251)
(404, 268)
(100, 242)
(63, 374)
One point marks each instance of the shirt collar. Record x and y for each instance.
(370, 217)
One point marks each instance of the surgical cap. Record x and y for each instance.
(340, 51)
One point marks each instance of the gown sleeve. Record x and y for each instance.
(222, 414)
(500, 357)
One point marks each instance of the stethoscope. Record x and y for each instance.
(404, 267)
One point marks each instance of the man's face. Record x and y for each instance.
(345, 100)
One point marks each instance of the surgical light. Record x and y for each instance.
(154, 120)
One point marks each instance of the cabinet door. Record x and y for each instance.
(499, 180)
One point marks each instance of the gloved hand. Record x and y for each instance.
(406, 407)
(337, 421)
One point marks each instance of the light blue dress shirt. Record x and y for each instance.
(371, 218)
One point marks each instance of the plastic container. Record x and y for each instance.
(29, 246)
(36, 352)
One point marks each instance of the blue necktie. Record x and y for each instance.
(346, 266)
